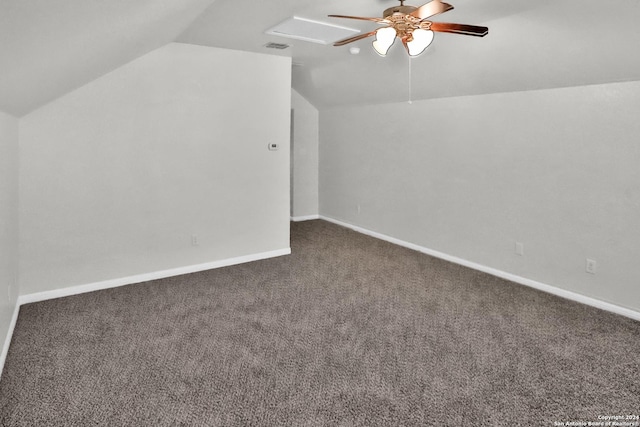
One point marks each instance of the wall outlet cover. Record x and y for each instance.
(519, 248)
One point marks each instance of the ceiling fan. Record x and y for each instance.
(412, 26)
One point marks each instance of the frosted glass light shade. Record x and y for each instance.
(421, 40)
(384, 39)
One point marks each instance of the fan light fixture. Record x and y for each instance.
(412, 26)
(384, 40)
(421, 40)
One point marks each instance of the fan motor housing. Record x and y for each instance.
(405, 10)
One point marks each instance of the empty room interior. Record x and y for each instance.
(218, 212)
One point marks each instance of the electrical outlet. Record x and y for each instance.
(194, 240)
(519, 248)
(591, 266)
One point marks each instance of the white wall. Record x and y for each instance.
(305, 157)
(8, 225)
(555, 169)
(118, 175)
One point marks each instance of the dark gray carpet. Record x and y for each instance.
(348, 330)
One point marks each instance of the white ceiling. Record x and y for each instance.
(48, 47)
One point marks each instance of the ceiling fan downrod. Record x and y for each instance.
(404, 10)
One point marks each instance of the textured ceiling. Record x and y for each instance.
(49, 47)
(531, 45)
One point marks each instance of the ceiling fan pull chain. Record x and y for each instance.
(410, 94)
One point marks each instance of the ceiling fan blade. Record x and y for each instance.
(379, 20)
(354, 38)
(468, 30)
(434, 7)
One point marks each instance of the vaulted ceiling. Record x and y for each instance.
(49, 47)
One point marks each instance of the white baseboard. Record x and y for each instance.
(304, 218)
(7, 341)
(623, 311)
(139, 278)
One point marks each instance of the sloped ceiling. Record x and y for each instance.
(532, 44)
(49, 47)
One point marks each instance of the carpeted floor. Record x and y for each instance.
(348, 330)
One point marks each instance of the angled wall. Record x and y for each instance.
(554, 169)
(8, 227)
(160, 164)
(304, 162)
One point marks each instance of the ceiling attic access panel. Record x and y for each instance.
(311, 31)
